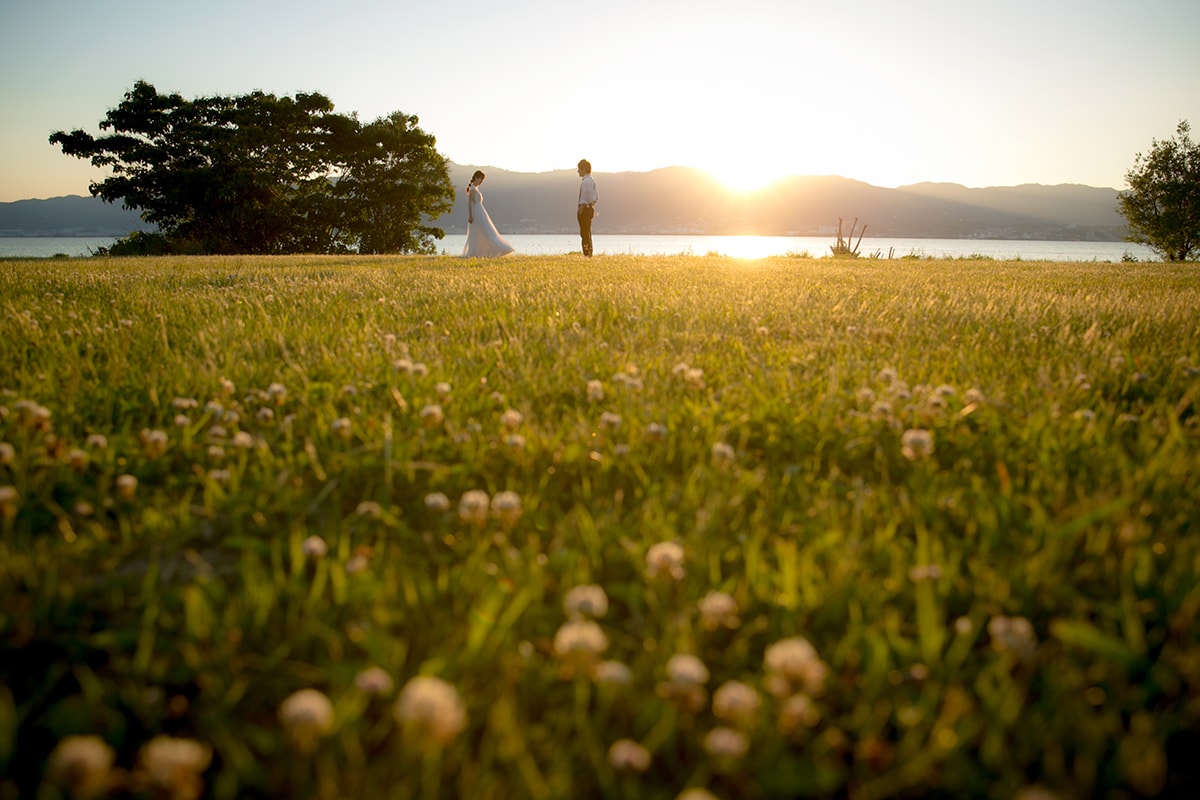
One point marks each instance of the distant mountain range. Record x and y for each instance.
(681, 200)
(68, 216)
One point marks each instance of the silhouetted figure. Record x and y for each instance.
(588, 196)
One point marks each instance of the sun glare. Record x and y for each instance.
(746, 176)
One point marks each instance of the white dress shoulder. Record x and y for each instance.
(483, 240)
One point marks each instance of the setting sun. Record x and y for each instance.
(746, 175)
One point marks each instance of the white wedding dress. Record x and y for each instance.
(483, 240)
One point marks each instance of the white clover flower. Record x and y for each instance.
(796, 664)
(221, 476)
(314, 547)
(432, 415)
(81, 766)
(340, 427)
(306, 715)
(665, 560)
(442, 388)
(76, 458)
(685, 669)
(629, 381)
(154, 442)
(626, 755)
(506, 506)
(680, 369)
(612, 673)
(974, 395)
(227, 386)
(737, 702)
(864, 397)
(718, 610)
(277, 393)
(694, 378)
(33, 415)
(127, 486)
(595, 391)
(8, 453)
(887, 375)
(374, 681)
(173, 767)
(436, 501)
(404, 365)
(214, 409)
(580, 641)
(473, 507)
(216, 452)
(586, 601)
(924, 572)
(265, 414)
(357, 563)
(8, 501)
(243, 440)
(881, 410)
(430, 711)
(514, 441)
(1013, 634)
(349, 390)
(511, 419)
(368, 508)
(695, 793)
(655, 432)
(610, 420)
(182, 420)
(798, 710)
(420, 370)
(916, 443)
(725, 742)
(723, 454)
(184, 403)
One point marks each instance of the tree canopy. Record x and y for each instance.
(1162, 205)
(260, 174)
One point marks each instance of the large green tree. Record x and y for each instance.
(264, 174)
(1162, 204)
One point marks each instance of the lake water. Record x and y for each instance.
(734, 246)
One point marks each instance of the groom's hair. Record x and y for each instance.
(586, 166)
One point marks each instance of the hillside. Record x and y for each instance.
(678, 200)
(683, 200)
(67, 216)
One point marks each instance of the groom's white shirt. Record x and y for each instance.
(587, 191)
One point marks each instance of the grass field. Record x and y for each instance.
(628, 527)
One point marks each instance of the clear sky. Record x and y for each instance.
(890, 92)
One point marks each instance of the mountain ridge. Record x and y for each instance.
(687, 200)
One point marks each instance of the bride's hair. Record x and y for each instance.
(475, 178)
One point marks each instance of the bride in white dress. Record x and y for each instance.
(483, 240)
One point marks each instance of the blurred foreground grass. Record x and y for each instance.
(626, 527)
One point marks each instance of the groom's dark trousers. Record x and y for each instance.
(585, 228)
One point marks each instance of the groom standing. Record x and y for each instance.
(588, 196)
